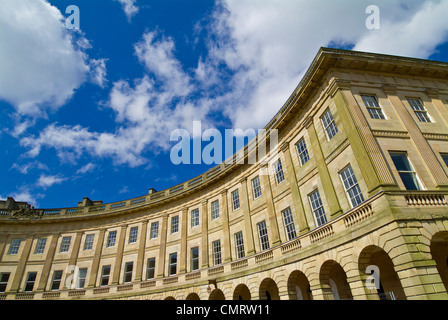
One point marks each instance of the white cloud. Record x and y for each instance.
(26, 195)
(129, 7)
(42, 63)
(46, 181)
(89, 167)
(25, 168)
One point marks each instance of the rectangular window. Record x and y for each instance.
(14, 247)
(194, 258)
(263, 235)
(194, 218)
(419, 110)
(65, 244)
(56, 281)
(373, 106)
(303, 152)
(289, 223)
(81, 278)
(4, 278)
(174, 224)
(151, 268)
(154, 230)
(329, 124)
(133, 234)
(105, 274)
(172, 264)
(318, 208)
(216, 252)
(111, 238)
(351, 187)
(128, 267)
(239, 245)
(40, 246)
(88, 244)
(256, 187)
(278, 170)
(30, 279)
(215, 209)
(406, 171)
(235, 199)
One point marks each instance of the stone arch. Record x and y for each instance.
(439, 253)
(192, 296)
(268, 290)
(388, 286)
(217, 294)
(241, 292)
(299, 286)
(170, 298)
(333, 280)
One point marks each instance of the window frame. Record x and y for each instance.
(278, 172)
(105, 276)
(256, 187)
(420, 111)
(413, 172)
(89, 240)
(127, 274)
(133, 235)
(65, 244)
(14, 246)
(150, 268)
(194, 261)
(56, 281)
(302, 151)
(235, 199)
(172, 264)
(263, 235)
(154, 233)
(288, 222)
(373, 106)
(317, 207)
(239, 245)
(215, 210)
(29, 282)
(81, 280)
(3, 282)
(174, 224)
(111, 238)
(355, 186)
(194, 217)
(217, 253)
(330, 127)
(40, 246)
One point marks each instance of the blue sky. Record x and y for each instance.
(89, 112)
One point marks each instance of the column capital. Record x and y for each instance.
(285, 146)
(243, 179)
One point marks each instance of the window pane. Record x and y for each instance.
(195, 217)
(133, 234)
(14, 247)
(318, 209)
(40, 246)
(235, 199)
(406, 171)
(89, 242)
(65, 244)
(195, 258)
(289, 223)
(351, 187)
(256, 187)
(239, 245)
(154, 230)
(173, 264)
(151, 268)
(215, 209)
(263, 235)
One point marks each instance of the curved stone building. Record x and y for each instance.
(351, 205)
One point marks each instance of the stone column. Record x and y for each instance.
(227, 252)
(270, 208)
(204, 239)
(295, 192)
(96, 259)
(47, 264)
(18, 275)
(119, 256)
(162, 248)
(75, 250)
(141, 252)
(183, 242)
